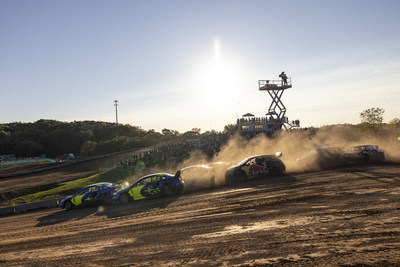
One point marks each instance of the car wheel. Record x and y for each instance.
(167, 191)
(277, 171)
(124, 198)
(68, 205)
(236, 176)
(239, 174)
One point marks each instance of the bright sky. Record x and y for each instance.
(184, 64)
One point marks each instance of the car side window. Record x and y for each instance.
(159, 178)
(82, 192)
(260, 161)
(250, 162)
(145, 181)
(97, 188)
(264, 162)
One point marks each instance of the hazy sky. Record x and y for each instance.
(184, 64)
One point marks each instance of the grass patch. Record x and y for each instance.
(114, 175)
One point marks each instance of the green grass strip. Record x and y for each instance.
(114, 175)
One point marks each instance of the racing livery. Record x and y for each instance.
(149, 186)
(255, 166)
(100, 193)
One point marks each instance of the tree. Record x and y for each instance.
(196, 130)
(88, 148)
(230, 129)
(372, 115)
(166, 131)
(395, 121)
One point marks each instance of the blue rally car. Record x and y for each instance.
(152, 185)
(100, 193)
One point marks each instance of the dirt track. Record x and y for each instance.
(347, 216)
(63, 173)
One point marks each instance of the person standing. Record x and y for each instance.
(283, 77)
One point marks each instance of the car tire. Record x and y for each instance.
(236, 176)
(239, 174)
(167, 191)
(277, 168)
(124, 198)
(277, 171)
(68, 205)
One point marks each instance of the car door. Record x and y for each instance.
(372, 152)
(90, 197)
(135, 191)
(95, 193)
(78, 197)
(257, 167)
(246, 167)
(151, 188)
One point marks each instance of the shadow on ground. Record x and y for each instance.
(111, 211)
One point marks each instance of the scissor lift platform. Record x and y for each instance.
(266, 85)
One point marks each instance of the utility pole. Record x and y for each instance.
(116, 110)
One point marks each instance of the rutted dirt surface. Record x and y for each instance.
(348, 216)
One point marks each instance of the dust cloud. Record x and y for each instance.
(293, 145)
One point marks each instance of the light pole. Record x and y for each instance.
(116, 110)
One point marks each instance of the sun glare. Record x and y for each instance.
(218, 81)
(217, 85)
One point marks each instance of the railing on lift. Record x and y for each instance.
(274, 84)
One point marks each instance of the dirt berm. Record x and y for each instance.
(343, 217)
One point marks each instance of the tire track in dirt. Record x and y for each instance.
(320, 218)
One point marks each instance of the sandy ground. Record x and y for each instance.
(343, 217)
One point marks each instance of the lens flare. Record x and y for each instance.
(140, 167)
(100, 209)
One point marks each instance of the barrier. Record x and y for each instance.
(44, 204)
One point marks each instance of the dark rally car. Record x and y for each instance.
(364, 153)
(253, 166)
(150, 186)
(100, 193)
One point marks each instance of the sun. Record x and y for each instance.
(217, 85)
(218, 81)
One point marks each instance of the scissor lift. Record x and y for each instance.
(277, 109)
(275, 118)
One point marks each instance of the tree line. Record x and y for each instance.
(53, 138)
(88, 138)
